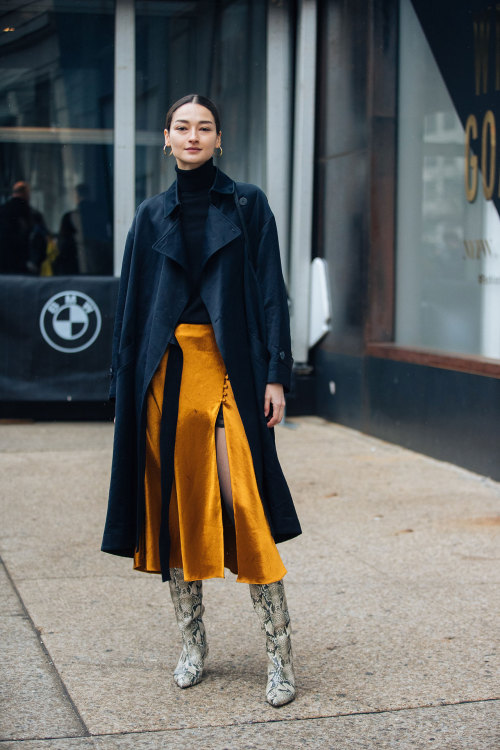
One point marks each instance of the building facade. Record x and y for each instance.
(406, 214)
(372, 128)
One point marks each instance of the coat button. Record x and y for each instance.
(282, 355)
(243, 201)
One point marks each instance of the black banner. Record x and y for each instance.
(55, 337)
(464, 36)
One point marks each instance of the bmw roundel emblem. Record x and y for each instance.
(70, 321)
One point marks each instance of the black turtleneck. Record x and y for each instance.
(194, 194)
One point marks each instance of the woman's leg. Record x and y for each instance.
(268, 599)
(189, 609)
(270, 604)
(223, 471)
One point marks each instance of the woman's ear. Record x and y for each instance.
(167, 137)
(219, 139)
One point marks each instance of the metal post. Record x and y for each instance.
(303, 175)
(279, 122)
(124, 127)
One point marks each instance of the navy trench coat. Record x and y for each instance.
(243, 290)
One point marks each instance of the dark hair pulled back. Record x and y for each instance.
(195, 99)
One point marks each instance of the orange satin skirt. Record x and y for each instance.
(203, 540)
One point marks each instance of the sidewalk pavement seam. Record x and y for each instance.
(45, 651)
(295, 720)
(298, 719)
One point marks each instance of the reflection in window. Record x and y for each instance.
(448, 250)
(56, 137)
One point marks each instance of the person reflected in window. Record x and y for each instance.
(23, 234)
(84, 239)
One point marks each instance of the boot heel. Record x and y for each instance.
(269, 602)
(187, 597)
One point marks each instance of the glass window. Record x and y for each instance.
(215, 49)
(448, 247)
(56, 135)
(342, 165)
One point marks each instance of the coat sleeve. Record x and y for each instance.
(120, 307)
(275, 300)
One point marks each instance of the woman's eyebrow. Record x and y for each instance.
(199, 122)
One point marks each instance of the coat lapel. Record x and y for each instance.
(171, 244)
(219, 232)
(219, 229)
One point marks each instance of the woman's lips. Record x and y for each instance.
(193, 149)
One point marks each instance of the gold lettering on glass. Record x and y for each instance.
(471, 175)
(481, 45)
(488, 143)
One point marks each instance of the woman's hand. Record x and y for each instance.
(274, 395)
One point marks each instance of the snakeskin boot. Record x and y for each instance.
(269, 601)
(189, 609)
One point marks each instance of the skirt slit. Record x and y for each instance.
(203, 539)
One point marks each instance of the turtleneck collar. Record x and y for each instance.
(196, 180)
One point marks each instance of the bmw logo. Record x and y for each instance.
(70, 322)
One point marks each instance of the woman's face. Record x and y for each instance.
(192, 135)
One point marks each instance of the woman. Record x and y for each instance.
(201, 360)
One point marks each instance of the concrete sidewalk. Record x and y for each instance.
(393, 590)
